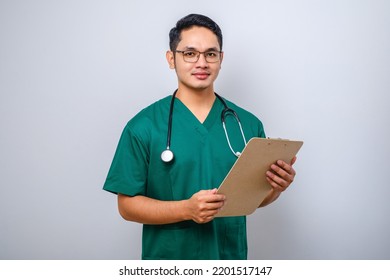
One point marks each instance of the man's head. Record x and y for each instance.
(195, 54)
(190, 21)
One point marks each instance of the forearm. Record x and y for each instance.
(271, 197)
(146, 210)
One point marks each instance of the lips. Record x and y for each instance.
(201, 75)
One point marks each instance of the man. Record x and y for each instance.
(177, 201)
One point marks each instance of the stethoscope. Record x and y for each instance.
(167, 155)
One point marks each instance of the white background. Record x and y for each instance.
(72, 73)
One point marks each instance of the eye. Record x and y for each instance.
(212, 54)
(189, 54)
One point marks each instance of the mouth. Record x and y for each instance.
(201, 75)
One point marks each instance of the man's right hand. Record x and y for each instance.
(204, 205)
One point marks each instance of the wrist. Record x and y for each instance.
(271, 197)
(184, 210)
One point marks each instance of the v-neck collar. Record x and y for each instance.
(211, 118)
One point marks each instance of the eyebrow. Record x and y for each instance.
(195, 49)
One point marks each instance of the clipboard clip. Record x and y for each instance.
(284, 139)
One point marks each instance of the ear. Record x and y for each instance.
(220, 63)
(170, 59)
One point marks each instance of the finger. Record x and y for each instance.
(293, 160)
(208, 195)
(277, 180)
(215, 198)
(283, 174)
(204, 206)
(214, 206)
(276, 186)
(287, 167)
(205, 220)
(277, 170)
(207, 216)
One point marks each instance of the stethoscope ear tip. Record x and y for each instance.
(237, 154)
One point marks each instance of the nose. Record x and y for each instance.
(202, 61)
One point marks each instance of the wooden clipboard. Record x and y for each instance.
(245, 186)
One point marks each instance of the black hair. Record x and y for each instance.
(189, 21)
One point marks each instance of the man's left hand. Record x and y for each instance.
(281, 175)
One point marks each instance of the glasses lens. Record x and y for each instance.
(212, 56)
(190, 56)
(193, 56)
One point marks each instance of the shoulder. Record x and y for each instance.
(150, 115)
(144, 123)
(250, 121)
(243, 113)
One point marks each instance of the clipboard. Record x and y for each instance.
(246, 186)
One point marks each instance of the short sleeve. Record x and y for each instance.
(128, 172)
(261, 130)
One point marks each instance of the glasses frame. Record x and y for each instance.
(198, 55)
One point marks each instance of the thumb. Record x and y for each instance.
(214, 191)
(293, 160)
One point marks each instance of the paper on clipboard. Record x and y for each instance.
(245, 186)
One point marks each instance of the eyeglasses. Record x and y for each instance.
(193, 56)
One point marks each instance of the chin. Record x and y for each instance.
(200, 88)
(198, 85)
(202, 85)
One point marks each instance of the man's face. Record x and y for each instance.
(198, 75)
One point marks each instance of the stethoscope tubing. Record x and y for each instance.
(168, 156)
(169, 133)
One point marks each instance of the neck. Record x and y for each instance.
(196, 97)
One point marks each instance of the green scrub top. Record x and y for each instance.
(202, 160)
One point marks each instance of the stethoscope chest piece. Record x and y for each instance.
(167, 156)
